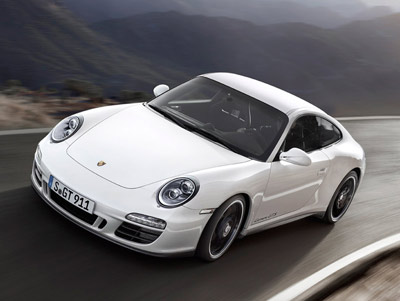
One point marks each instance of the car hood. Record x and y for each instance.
(140, 147)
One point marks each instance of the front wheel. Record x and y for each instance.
(342, 198)
(222, 229)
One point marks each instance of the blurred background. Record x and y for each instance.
(59, 57)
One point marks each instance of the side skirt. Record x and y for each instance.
(280, 222)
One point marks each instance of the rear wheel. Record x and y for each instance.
(342, 198)
(222, 229)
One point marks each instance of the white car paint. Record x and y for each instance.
(140, 160)
(139, 134)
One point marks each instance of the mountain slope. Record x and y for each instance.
(259, 12)
(326, 13)
(42, 42)
(344, 69)
(344, 7)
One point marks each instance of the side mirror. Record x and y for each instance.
(160, 89)
(296, 156)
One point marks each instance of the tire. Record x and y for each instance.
(342, 198)
(222, 229)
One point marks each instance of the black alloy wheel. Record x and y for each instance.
(222, 229)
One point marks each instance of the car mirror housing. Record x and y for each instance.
(160, 89)
(296, 156)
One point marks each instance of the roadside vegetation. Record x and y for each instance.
(21, 107)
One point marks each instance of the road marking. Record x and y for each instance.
(299, 290)
(367, 118)
(25, 131)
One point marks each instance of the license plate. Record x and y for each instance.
(71, 196)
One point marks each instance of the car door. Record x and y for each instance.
(291, 186)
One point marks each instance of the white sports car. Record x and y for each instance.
(217, 157)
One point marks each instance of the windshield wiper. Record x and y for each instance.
(192, 128)
(169, 116)
(215, 138)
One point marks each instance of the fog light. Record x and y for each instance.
(147, 220)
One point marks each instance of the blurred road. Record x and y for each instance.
(44, 256)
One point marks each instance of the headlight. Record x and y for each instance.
(38, 155)
(177, 192)
(66, 128)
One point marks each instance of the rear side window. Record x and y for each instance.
(328, 133)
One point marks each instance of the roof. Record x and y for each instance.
(268, 94)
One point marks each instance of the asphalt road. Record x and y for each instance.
(44, 256)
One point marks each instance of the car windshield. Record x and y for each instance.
(235, 120)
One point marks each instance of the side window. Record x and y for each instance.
(303, 134)
(294, 138)
(328, 133)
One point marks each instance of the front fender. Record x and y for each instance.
(220, 183)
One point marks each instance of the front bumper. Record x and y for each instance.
(184, 225)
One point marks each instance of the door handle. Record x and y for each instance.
(322, 171)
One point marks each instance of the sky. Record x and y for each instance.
(393, 3)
